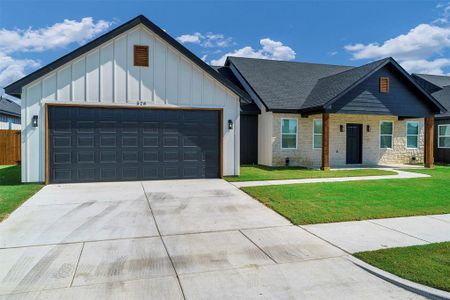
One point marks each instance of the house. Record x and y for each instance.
(439, 87)
(133, 104)
(9, 113)
(318, 115)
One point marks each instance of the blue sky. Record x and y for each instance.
(416, 33)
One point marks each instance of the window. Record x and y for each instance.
(444, 136)
(386, 130)
(288, 133)
(317, 134)
(384, 84)
(140, 56)
(412, 134)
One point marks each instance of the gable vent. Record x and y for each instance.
(140, 56)
(384, 84)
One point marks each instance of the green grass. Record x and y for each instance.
(359, 200)
(427, 264)
(254, 173)
(12, 192)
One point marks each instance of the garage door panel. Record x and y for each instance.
(109, 144)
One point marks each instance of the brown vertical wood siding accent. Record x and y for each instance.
(140, 56)
(10, 147)
(429, 139)
(384, 84)
(325, 141)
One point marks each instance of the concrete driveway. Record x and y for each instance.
(193, 239)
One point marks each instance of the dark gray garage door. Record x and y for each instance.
(112, 144)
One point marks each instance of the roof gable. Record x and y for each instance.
(403, 98)
(15, 88)
(329, 88)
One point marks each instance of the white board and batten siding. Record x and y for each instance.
(106, 76)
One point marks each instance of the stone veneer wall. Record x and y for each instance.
(305, 155)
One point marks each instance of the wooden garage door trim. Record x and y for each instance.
(47, 105)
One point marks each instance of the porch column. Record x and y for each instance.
(325, 142)
(429, 139)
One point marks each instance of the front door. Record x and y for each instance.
(354, 143)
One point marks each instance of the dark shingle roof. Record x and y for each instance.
(247, 105)
(9, 107)
(330, 87)
(296, 86)
(443, 96)
(438, 80)
(283, 85)
(440, 89)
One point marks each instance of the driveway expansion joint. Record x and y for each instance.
(393, 229)
(163, 242)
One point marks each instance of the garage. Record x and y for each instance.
(89, 144)
(132, 104)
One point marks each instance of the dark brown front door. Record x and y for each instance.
(354, 143)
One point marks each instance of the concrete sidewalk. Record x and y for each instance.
(358, 236)
(399, 175)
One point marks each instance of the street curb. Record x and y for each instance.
(420, 289)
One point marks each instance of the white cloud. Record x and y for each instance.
(424, 66)
(207, 40)
(58, 35)
(194, 38)
(270, 49)
(422, 41)
(12, 69)
(419, 50)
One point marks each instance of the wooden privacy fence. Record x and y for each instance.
(10, 145)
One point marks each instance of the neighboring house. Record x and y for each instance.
(133, 104)
(318, 115)
(439, 86)
(9, 114)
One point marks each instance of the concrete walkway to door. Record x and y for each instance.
(191, 239)
(399, 175)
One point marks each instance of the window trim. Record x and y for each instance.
(417, 135)
(314, 134)
(444, 136)
(392, 135)
(281, 134)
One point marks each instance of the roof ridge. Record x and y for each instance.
(357, 68)
(289, 61)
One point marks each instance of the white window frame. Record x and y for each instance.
(444, 136)
(418, 131)
(314, 134)
(392, 135)
(281, 134)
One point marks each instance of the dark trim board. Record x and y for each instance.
(47, 105)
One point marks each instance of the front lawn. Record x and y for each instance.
(12, 192)
(254, 173)
(359, 200)
(426, 264)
